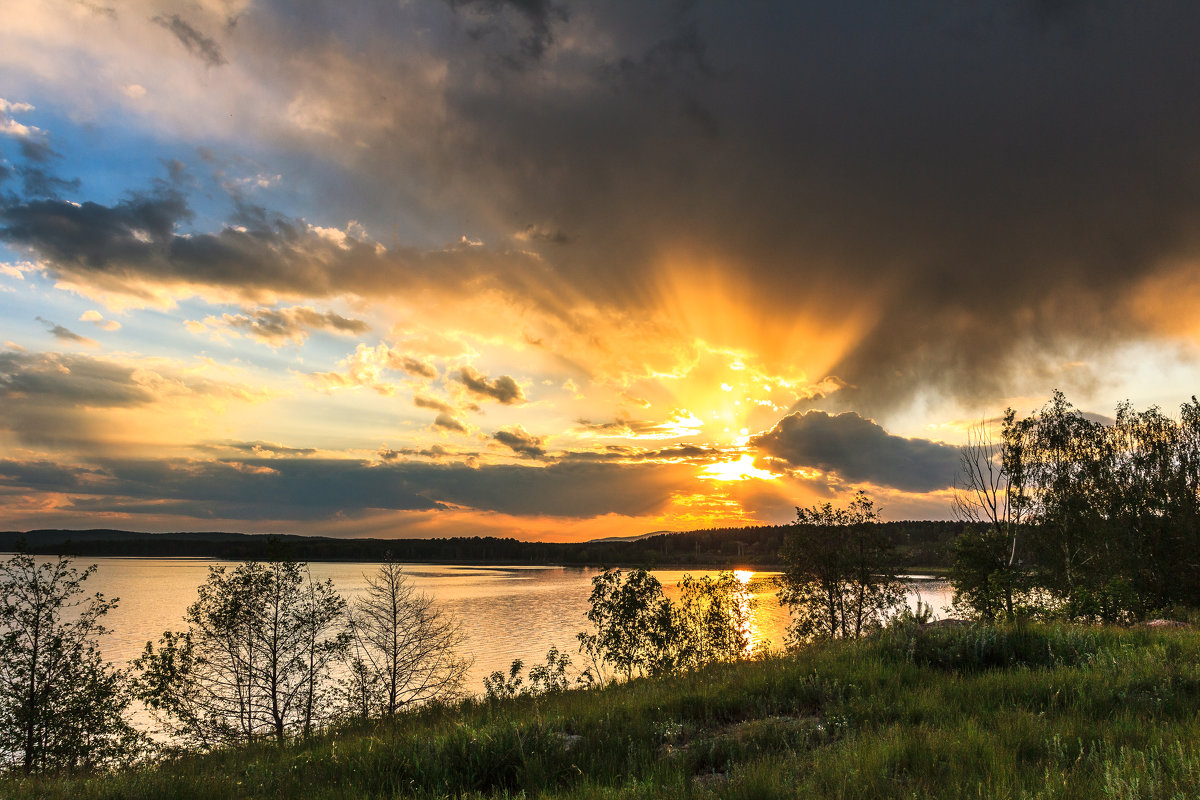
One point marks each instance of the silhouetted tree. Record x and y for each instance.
(634, 624)
(61, 706)
(712, 620)
(255, 661)
(404, 649)
(639, 631)
(839, 579)
(992, 496)
(550, 677)
(1109, 515)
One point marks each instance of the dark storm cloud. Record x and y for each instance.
(857, 449)
(503, 389)
(43, 476)
(309, 488)
(494, 21)
(973, 182)
(37, 182)
(521, 442)
(973, 179)
(203, 47)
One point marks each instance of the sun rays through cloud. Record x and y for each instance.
(422, 269)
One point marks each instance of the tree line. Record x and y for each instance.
(916, 543)
(1079, 518)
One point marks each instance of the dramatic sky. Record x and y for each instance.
(562, 270)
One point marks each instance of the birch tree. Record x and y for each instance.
(61, 705)
(255, 661)
(403, 649)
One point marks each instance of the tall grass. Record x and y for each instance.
(995, 712)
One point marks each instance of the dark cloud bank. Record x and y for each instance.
(311, 488)
(989, 179)
(857, 450)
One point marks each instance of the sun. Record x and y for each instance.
(739, 470)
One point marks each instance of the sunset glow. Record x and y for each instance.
(569, 271)
(740, 470)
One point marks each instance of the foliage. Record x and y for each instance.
(839, 580)
(61, 706)
(501, 686)
(550, 677)
(1046, 711)
(979, 647)
(255, 661)
(639, 631)
(712, 620)
(987, 584)
(1109, 516)
(635, 626)
(403, 649)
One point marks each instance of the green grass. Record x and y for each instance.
(1023, 712)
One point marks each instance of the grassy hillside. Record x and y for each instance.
(1054, 712)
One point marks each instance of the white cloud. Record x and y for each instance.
(9, 126)
(98, 319)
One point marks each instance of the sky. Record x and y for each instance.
(561, 270)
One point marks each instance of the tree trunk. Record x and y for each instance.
(31, 699)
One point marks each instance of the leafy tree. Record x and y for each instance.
(1070, 465)
(639, 631)
(712, 620)
(1108, 515)
(987, 584)
(551, 677)
(839, 578)
(404, 650)
(61, 706)
(255, 661)
(635, 626)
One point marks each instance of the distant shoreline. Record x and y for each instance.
(921, 546)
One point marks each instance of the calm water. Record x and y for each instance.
(507, 612)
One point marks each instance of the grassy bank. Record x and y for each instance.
(1055, 712)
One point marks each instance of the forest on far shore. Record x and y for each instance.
(917, 544)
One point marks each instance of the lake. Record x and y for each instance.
(507, 612)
